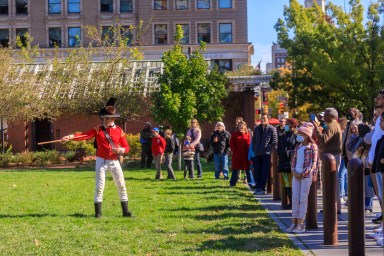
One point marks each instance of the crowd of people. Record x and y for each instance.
(299, 145)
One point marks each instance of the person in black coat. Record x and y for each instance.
(286, 143)
(264, 139)
(220, 144)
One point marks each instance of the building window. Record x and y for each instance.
(3, 7)
(161, 34)
(106, 5)
(74, 37)
(204, 33)
(225, 33)
(223, 65)
(54, 6)
(107, 35)
(126, 6)
(126, 34)
(21, 33)
(54, 37)
(160, 4)
(73, 6)
(181, 4)
(225, 4)
(21, 6)
(203, 4)
(185, 39)
(4, 37)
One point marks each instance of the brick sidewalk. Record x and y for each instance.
(311, 242)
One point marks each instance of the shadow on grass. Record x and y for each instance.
(31, 215)
(43, 215)
(248, 244)
(242, 207)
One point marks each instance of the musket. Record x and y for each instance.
(54, 141)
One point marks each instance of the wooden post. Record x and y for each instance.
(329, 200)
(356, 235)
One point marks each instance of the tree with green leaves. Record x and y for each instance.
(336, 60)
(187, 89)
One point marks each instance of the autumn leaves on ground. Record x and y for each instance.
(50, 212)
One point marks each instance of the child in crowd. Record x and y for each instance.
(158, 147)
(169, 149)
(188, 154)
(304, 165)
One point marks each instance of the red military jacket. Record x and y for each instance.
(104, 148)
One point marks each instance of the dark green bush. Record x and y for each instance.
(87, 145)
(134, 144)
(24, 158)
(5, 159)
(70, 156)
(46, 157)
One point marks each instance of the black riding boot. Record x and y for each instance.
(98, 210)
(124, 206)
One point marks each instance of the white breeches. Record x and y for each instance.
(101, 168)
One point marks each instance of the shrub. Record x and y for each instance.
(134, 144)
(5, 159)
(24, 158)
(46, 157)
(87, 145)
(70, 156)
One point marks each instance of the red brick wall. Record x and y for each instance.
(237, 104)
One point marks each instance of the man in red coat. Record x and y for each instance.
(158, 148)
(239, 144)
(111, 143)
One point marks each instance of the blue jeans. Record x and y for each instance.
(221, 164)
(379, 182)
(262, 166)
(196, 159)
(343, 178)
(250, 179)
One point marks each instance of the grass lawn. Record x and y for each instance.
(50, 212)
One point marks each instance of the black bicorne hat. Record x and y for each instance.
(109, 110)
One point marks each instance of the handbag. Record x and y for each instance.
(121, 158)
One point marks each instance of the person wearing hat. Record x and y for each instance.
(158, 148)
(304, 166)
(146, 146)
(111, 143)
(220, 144)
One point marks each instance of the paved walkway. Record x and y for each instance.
(311, 242)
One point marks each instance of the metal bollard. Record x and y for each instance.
(356, 235)
(329, 173)
(276, 176)
(311, 218)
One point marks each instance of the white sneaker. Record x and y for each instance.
(380, 242)
(299, 228)
(291, 228)
(342, 201)
(376, 235)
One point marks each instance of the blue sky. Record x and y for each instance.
(262, 16)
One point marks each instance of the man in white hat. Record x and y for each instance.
(111, 143)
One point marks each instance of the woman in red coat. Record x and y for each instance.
(239, 144)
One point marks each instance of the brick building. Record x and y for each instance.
(222, 24)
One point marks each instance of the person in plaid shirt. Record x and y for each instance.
(304, 166)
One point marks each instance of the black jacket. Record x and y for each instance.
(379, 154)
(264, 141)
(222, 146)
(170, 145)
